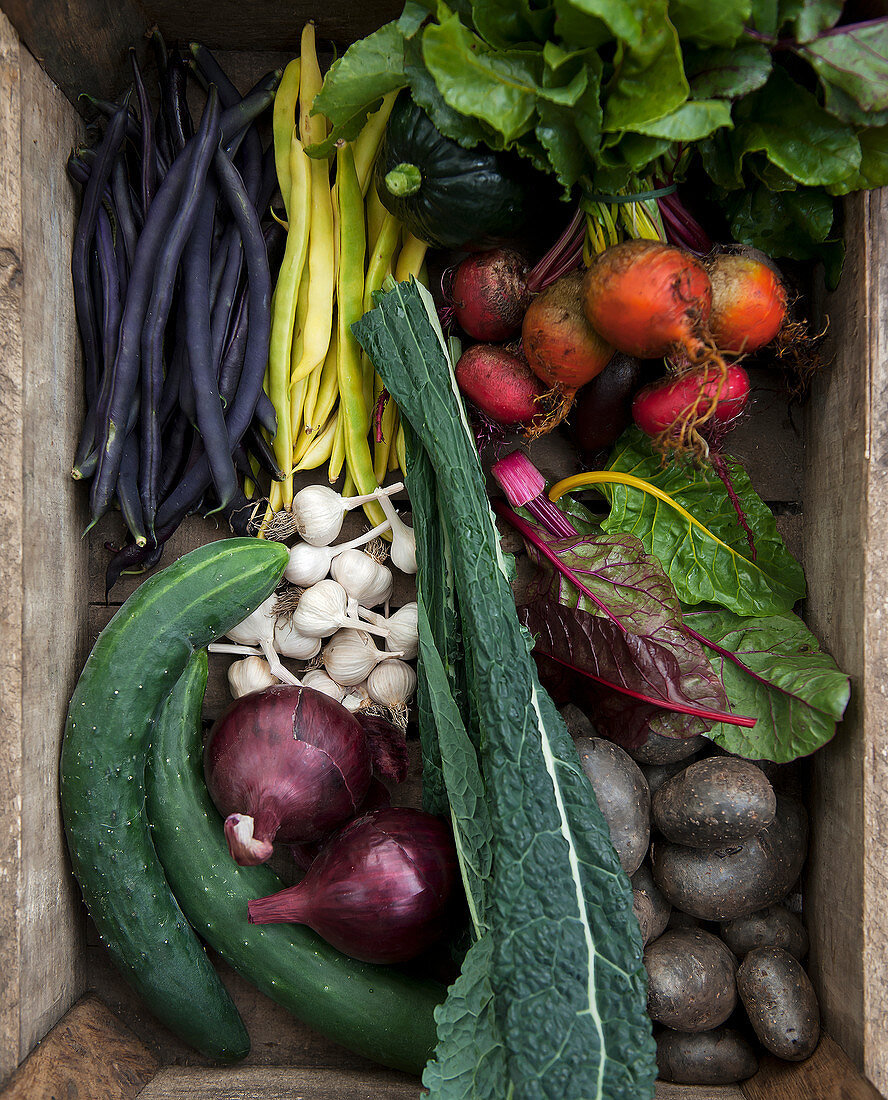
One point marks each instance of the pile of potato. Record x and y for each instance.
(712, 849)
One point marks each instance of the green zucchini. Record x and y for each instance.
(135, 663)
(375, 1011)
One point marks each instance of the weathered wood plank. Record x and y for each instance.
(827, 1075)
(255, 1083)
(847, 527)
(89, 1053)
(55, 558)
(666, 1091)
(82, 44)
(11, 525)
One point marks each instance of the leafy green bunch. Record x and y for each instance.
(783, 109)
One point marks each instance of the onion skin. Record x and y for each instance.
(658, 406)
(748, 303)
(292, 760)
(649, 299)
(379, 889)
(562, 348)
(500, 383)
(489, 294)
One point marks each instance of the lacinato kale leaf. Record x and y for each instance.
(569, 988)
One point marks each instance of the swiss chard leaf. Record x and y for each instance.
(774, 670)
(569, 986)
(356, 82)
(854, 59)
(508, 23)
(713, 563)
(668, 667)
(785, 122)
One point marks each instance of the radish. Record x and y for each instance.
(500, 383)
(561, 346)
(649, 299)
(748, 303)
(663, 407)
(489, 294)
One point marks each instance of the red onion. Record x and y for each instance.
(388, 747)
(377, 797)
(287, 763)
(379, 889)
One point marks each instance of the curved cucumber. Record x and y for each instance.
(373, 1010)
(134, 664)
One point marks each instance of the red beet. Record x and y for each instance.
(489, 294)
(664, 403)
(500, 383)
(379, 889)
(287, 763)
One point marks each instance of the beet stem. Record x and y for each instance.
(721, 468)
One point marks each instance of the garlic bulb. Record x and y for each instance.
(403, 631)
(318, 511)
(350, 655)
(383, 590)
(258, 629)
(318, 680)
(289, 642)
(250, 674)
(323, 608)
(403, 551)
(309, 564)
(392, 683)
(359, 575)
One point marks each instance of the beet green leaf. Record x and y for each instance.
(710, 560)
(774, 670)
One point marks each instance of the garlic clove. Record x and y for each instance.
(403, 550)
(290, 643)
(258, 624)
(251, 674)
(350, 655)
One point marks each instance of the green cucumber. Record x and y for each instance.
(135, 663)
(375, 1011)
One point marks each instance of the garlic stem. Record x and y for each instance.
(229, 647)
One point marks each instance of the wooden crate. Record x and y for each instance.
(824, 471)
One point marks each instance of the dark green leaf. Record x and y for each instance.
(710, 24)
(639, 151)
(714, 567)
(842, 106)
(728, 74)
(468, 132)
(356, 82)
(507, 23)
(469, 1061)
(566, 152)
(774, 178)
(692, 121)
(497, 87)
(764, 15)
(873, 163)
(773, 670)
(855, 60)
(649, 81)
(718, 161)
(414, 15)
(785, 122)
(814, 17)
(586, 22)
(790, 223)
(566, 971)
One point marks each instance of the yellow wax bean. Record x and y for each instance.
(411, 258)
(320, 447)
(369, 140)
(283, 121)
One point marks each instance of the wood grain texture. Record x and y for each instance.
(89, 1054)
(666, 1091)
(11, 521)
(255, 1083)
(55, 558)
(847, 494)
(827, 1075)
(82, 44)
